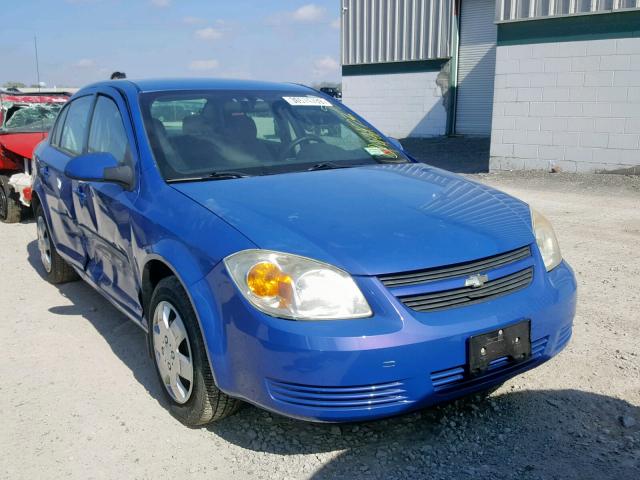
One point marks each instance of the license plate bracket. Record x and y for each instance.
(513, 342)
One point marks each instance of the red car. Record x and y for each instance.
(25, 120)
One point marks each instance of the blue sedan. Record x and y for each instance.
(279, 250)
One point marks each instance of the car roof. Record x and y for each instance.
(164, 84)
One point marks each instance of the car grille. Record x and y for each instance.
(453, 379)
(456, 270)
(353, 397)
(469, 295)
(444, 287)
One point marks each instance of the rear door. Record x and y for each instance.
(67, 141)
(103, 209)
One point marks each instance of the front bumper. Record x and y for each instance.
(396, 361)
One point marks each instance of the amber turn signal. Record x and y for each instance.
(265, 279)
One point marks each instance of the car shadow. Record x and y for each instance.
(125, 338)
(525, 434)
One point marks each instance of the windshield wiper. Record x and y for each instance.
(327, 166)
(211, 176)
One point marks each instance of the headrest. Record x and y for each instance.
(242, 127)
(209, 110)
(195, 125)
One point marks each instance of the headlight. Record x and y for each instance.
(290, 286)
(546, 240)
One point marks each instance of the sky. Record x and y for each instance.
(82, 41)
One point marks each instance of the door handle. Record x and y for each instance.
(82, 196)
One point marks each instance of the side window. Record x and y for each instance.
(75, 125)
(57, 129)
(107, 130)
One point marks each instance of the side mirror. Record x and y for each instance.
(99, 167)
(396, 143)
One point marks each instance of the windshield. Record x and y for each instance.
(31, 118)
(199, 134)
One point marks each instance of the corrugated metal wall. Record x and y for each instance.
(507, 10)
(381, 31)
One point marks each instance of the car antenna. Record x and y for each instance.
(35, 45)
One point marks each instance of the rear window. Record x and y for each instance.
(35, 117)
(57, 129)
(172, 112)
(75, 125)
(107, 130)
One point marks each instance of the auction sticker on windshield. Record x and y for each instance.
(380, 152)
(307, 101)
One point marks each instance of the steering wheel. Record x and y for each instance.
(298, 141)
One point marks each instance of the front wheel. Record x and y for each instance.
(180, 358)
(56, 269)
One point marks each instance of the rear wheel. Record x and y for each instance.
(10, 208)
(57, 270)
(180, 358)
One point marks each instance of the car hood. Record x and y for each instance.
(21, 143)
(370, 220)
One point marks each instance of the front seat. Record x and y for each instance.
(241, 130)
(204, 124)
(196, 125)
(159, 138)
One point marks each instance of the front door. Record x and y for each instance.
(103, 209)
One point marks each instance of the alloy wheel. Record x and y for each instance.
(172, 351)
(44, 244)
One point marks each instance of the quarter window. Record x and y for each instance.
(75, 125)
(107, 131)
(57, 129)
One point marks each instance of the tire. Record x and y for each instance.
(27, 212)
(196, 401)
(56, 268)
(10, 207)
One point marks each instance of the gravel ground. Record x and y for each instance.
(79, 397)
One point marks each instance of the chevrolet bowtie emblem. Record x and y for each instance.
(476, 281)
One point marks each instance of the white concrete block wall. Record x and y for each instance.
(569, 105)
(398, 104)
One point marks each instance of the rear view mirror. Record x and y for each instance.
(99, 167)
